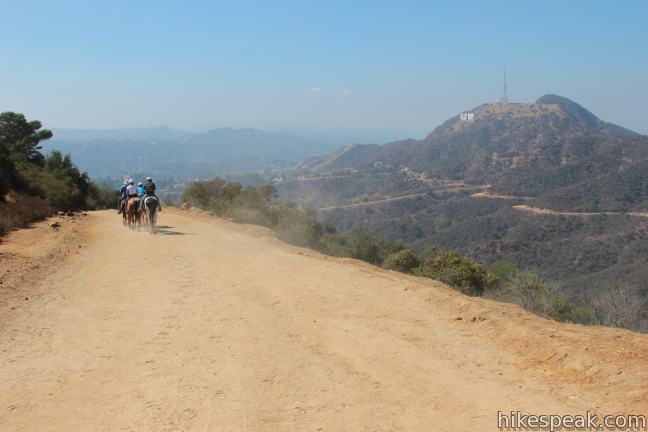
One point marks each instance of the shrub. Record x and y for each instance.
(403, 261)
(619, 305)
(300, 231)
(365, 246)
(20, 211)
(428, 252)
(458, 272)
(531, 292)
(503, 269)
(334, 244)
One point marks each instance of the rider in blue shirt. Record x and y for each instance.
(122, 195)
(140, 189)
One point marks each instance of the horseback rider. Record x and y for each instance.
(140, 189)
(122, 195)
(149, 191)
(131, 190)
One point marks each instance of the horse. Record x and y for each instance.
(133, 214)
(151, 205)
(122, 207)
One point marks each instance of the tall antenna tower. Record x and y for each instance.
(504, 93)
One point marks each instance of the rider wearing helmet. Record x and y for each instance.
(131, 189)
(122, 195)
(140, 189)
(149, 191)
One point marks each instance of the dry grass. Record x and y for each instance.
(19, 210)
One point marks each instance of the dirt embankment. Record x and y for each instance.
(216, 326)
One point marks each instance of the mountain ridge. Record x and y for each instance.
(219, 151)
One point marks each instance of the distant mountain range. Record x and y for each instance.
(165, 152)
(158, 132)
(548, 185)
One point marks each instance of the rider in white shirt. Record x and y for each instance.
(131, 190)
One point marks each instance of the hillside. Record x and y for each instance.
(165, 153)
(554, 150)
(461, 188)
(223, 327)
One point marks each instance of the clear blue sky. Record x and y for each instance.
(375, 70)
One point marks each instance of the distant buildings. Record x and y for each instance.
(466, 116)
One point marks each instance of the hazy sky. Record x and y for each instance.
(374, 70)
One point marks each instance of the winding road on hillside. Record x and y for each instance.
(545, 211)
(384, 200)
(214, 326)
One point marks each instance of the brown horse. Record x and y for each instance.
(122, 207)
(133, 213)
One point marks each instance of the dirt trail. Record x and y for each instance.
(374, 202)
(216, 326)
(545, 211)
(499, 196)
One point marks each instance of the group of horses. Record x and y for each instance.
(135, 217)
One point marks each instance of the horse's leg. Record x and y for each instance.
(138, 217)
(152, 219)
(130, 216)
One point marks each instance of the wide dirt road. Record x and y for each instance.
(214, 326)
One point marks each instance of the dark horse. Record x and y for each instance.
(151, 205)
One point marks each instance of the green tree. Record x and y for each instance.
(8, 175)
(22, 138)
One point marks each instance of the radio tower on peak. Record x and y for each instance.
(504, 92)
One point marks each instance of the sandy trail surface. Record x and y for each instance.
(214, 326)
